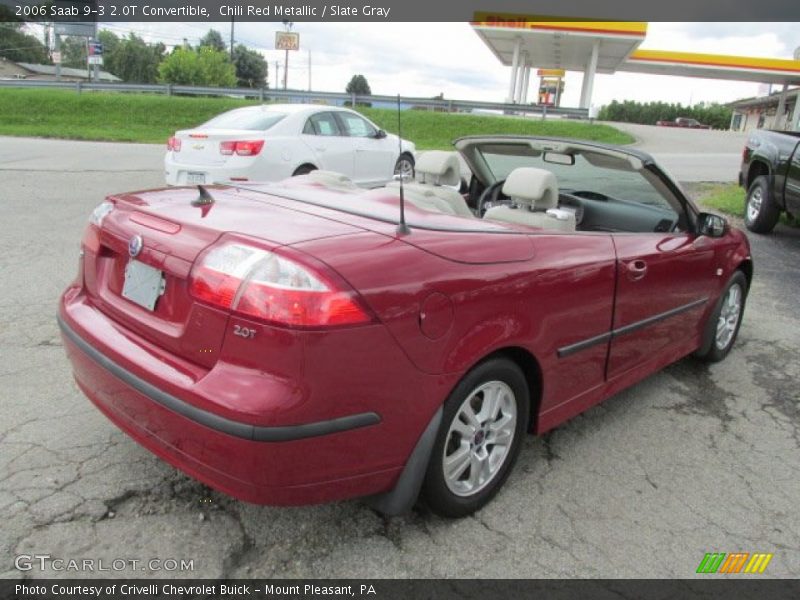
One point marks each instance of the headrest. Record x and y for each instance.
(437, 167)
(536, 187)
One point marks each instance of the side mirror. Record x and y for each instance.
(712, 225)
(380, 134)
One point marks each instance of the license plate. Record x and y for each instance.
(143, 284)
(192, 177)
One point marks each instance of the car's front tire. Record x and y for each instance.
(723, 324)
(760, 212)
(483, 423)
(405, 166)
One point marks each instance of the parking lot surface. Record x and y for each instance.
(695, 459)
(691, 155)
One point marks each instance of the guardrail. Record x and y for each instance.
(265, 94)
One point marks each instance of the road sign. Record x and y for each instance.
(287, 40)
(56, 58)
(96, 60)
(78, 29)
(95, 49)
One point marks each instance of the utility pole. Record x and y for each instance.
(57, 48)
(231, 39)
(288, 26)
(88, 66)
(277, 74)
(309, 70)
(95, 67)
(285, 68)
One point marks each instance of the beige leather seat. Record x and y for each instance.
(534, 194)
(433, 170)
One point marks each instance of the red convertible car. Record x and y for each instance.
(295, 342)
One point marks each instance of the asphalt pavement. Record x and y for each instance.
(695, 459)
(691, 155)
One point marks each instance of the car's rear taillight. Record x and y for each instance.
(241, 148)
(277, 286)
(91, 236)
(174, 144)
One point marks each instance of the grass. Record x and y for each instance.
(728, 198)
(724, 197)
(436, 131)
(121, 117)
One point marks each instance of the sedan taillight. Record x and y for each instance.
(241, 148)
(173, 144)
(275, 287)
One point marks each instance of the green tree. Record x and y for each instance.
(18, 46)
(109, 40)
(649, 113)
(204, 66)
(358, 85)
(73, 52)
(133, 60)
(213, 39)
(251, 68)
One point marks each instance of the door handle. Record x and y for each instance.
(319, 148)
(637, 269)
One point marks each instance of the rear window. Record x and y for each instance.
(254, 120)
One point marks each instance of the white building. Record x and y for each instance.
(767, 112)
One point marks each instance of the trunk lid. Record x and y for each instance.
(173, 233)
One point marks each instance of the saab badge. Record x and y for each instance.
(135, 246)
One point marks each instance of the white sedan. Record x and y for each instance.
(274, 141)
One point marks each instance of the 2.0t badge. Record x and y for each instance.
(135, 246)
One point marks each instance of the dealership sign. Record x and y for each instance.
(95, 53)
(287, 40)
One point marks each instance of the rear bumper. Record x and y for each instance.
(239, 429)
(278, 463)
(237, 168)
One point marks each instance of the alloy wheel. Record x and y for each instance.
(404, 168)
(754, 204)
(729, 314)
(480, 438)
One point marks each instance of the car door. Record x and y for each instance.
(665, 281)
(332, 149)
(792, 189)
(374, 156)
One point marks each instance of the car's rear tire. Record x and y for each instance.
(303, 170)
(405, 166)
(483, 423)
(723, 324)
(760, 212)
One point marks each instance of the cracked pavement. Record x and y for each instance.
(694, 459)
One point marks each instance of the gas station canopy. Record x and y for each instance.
(522, 42)
(714, 66)
(562, 45)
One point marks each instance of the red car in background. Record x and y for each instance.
(684, 122)
(292, 343)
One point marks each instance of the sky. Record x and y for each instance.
(426, 59)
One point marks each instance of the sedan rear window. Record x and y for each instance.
(253, 120)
